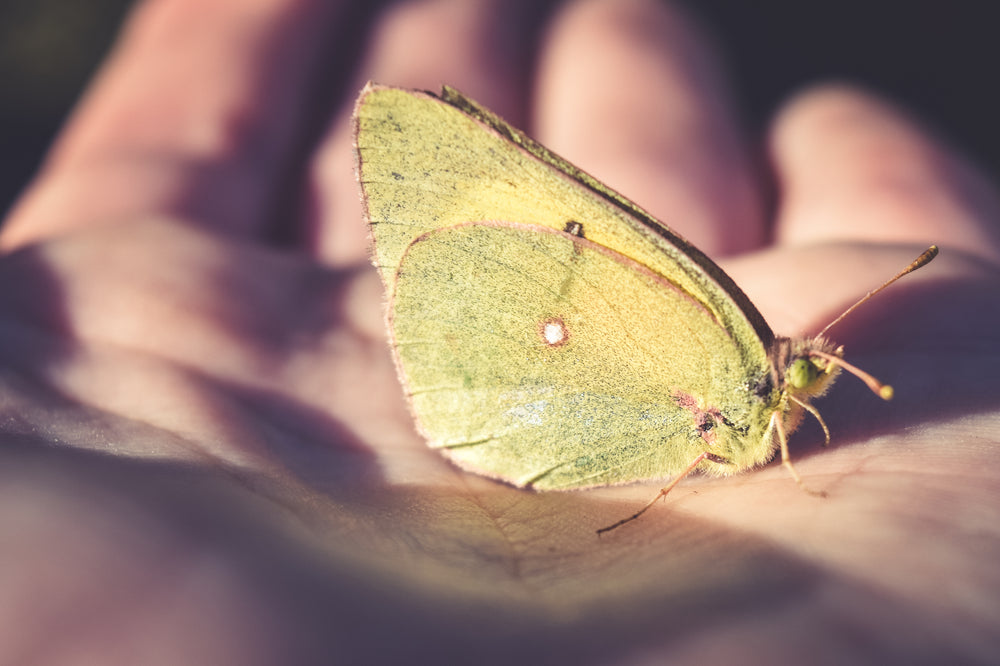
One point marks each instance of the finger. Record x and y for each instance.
(851, 167)
(191, 116)
(482, 48)
(631, 92)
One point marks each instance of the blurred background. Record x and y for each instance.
(938, 59)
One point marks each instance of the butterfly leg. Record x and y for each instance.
(812, 410)
(663, 493)
(785, 459)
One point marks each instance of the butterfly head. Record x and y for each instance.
(807, 367)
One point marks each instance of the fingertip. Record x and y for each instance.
(852, 166)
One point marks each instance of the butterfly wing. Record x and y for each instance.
(545, 359)
(427, 164)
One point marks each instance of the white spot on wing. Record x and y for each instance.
(554, 332)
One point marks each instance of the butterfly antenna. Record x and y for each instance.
(919, 262)
(883, 391)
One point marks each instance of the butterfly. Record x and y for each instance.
(550, 333)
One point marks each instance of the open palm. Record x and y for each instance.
(207, 457)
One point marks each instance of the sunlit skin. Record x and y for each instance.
(206, 453)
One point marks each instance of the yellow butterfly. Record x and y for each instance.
(549, 332)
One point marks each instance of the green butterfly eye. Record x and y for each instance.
(801, 373)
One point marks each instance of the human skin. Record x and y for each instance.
(207, 458)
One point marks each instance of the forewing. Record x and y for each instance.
(428, 162)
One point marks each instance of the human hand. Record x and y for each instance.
(207, 456)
